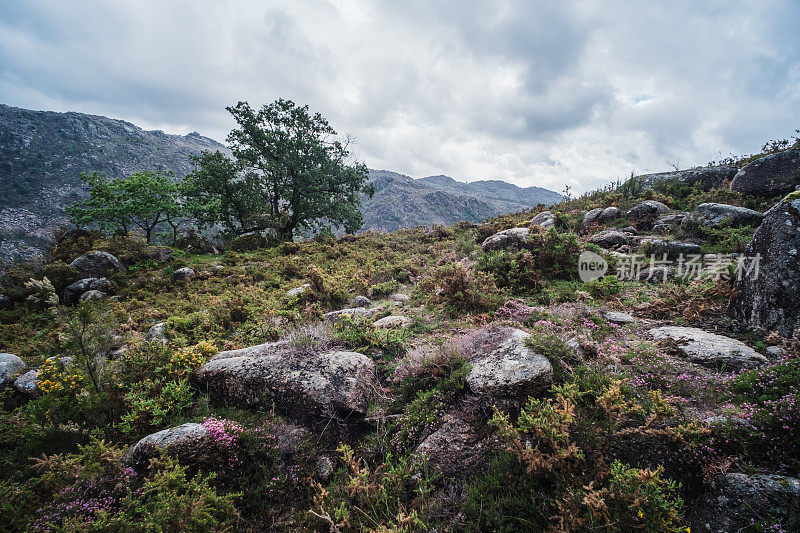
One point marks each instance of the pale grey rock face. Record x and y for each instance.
(157, 333)
(93, 296)
(28, 383)
(361, 301)
(182, 274)
(510, 370)
(710, 349)
(399, 297)
(714, 214)
(76, 290)
(192, 444)
(733, 501)
(545, 219)
(392, 321)
(771, 300)
(512, 238)
(298, 291)
(259, 350)
(335, 316)
(97, 265)
(771, 175)
(454, 449)
(617, 317)
(307, 387)
(10, 366)
(646, 213)
(610, 238)
(708, 177)
(673, 249)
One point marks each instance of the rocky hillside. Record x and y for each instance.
(625, 361)
(42, 153)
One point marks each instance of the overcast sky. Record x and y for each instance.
(535, 93)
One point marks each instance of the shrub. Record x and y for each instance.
(60, 274)
(556, 254)
(515, 271)
(460, 289)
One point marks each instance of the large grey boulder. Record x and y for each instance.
(769, 296)
(454, 449)
(668, 223)
(157, 333)
(28, 383)
(714, 214)
(192, 444)
(513, 238)
(708, 177)
(545, 219)
(353, 312)
(510, 369)
(600, 215)
(183, 274)
(97, 265)
(659, 247)
(10, 366)
(610, 238)
(392, 321)
(308, 387)
(709, 349)
(734, 502)
(74, 291)
(769, 176)
(646, 213)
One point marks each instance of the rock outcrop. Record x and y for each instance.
(454, 449)
(97, 265)
(306, 387)
(513, 238)
(734, 502)
(75, 291)
(714, 214)
(545, 219)
(10, 366)
(707, 177)
(769, 296)
(610, 238)
(769, 176)
(392, 321)
(511, 369)
(192, 444)
(710, 349)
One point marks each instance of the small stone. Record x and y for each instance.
(298, 291)
(157, 333)
(618, 318)
(324, 468)
(392, 321)
(335, 316)
(361, 301)
(93, 296)
(182, 274)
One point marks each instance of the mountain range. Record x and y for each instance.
(42, 154)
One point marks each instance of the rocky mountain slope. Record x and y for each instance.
(472, 378)
(42, 154)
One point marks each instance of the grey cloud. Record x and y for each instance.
(537, 93)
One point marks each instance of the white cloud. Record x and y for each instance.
(535, 93)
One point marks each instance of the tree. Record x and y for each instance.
(143, 200)
(289, 172)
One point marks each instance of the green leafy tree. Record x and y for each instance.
(289, 173)
(142, 201)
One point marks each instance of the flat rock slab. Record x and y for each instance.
(335, 316)
(733, 502)
(191, 443)
(392, 321)
(511, 369)
(306, 387)
(511, 238)
(452, 450)
(710, 349)
(97, 265)
(10, 365)
(618, 318)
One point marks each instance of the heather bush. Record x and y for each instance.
(460, 289)
(515, 271)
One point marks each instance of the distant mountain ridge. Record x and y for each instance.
(42, 154)
(401, 201)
